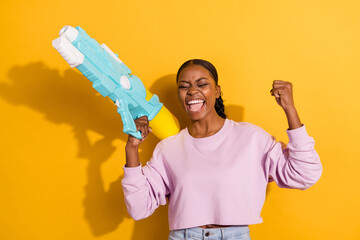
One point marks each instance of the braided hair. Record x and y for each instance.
(219, 103)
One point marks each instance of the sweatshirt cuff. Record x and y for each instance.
(132, 172)
(298, 134)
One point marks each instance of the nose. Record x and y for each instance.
(192, 90)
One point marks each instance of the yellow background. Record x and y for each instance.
(62, 146)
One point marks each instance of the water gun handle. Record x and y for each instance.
(129, 126)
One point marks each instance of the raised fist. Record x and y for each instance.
(282, 91)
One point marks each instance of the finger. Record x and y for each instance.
(280, 90)
(142, 117)
(279, 82)
(275, 82)
(142, 140)
(276, 92)
(141, 121)
(144, 131)
(280, 85)
(285, 85)
(141, 129)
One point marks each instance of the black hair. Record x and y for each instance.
(219, 103)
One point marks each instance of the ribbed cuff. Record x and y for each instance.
(298, 134)
(132, 172)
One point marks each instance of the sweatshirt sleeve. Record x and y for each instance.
(295, 166)
(145, 188)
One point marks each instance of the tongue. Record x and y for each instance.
(195, 107)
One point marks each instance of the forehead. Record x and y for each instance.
(194, 72)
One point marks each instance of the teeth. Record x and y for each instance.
(195, 101)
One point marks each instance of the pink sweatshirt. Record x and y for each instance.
(219, 179)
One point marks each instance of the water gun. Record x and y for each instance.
(112, 78)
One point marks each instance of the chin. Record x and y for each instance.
(196, 116)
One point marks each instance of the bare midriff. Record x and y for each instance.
(214, 226)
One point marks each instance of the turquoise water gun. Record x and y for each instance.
(110, 77)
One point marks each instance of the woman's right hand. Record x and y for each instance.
(142, 124)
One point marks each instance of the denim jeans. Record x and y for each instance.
(227, 233)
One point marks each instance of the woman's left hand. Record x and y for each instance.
(282, 91)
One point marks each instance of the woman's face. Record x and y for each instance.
(197, 92)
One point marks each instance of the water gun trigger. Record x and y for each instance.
(129, 126)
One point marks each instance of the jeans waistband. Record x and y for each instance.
(233, 232)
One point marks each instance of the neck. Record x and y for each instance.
(205, 127)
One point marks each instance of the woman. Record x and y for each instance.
(214, 172)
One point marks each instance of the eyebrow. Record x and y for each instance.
(195, 80)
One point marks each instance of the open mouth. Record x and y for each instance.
(195, 105)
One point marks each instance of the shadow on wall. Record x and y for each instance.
(70, 99)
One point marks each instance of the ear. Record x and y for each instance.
(217, 91)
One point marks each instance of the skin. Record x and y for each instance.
(283, 93)
(195, 82)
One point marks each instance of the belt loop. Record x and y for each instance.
(222, 234)
(185, 233)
